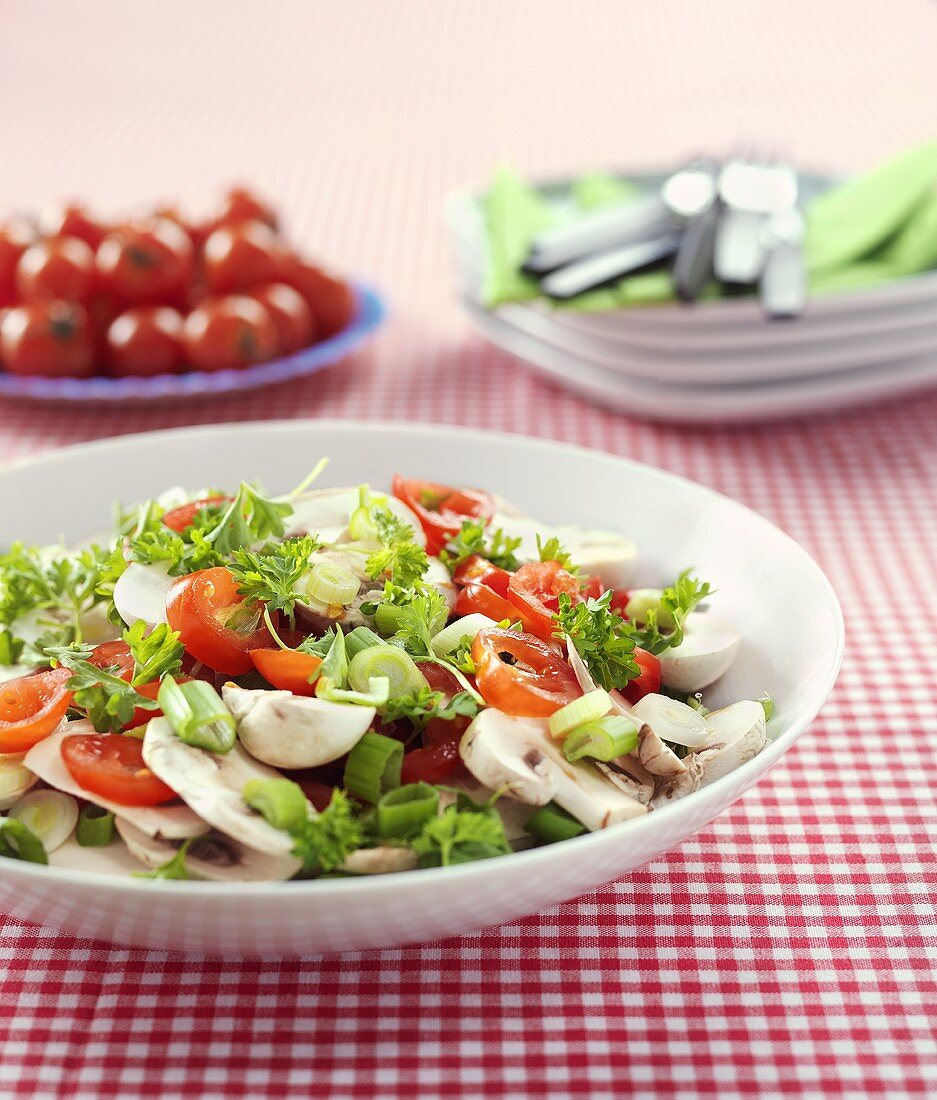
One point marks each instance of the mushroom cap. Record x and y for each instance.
(212, 786)
(736, 734)
(605, 554)
(499, 749)
(383, 860)
(658, 758)
(140, 593)
(707, 651)
(174, 822)
(290, 731)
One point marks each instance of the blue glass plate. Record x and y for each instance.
(370, 312)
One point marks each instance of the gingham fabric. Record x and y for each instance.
(787, 950)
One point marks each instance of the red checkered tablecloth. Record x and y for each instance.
(788, 949)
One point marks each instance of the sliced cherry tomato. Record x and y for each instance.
(182, 517)
(442, 731)
(441, 509)
(440, 678)
(201, 605)
(148, 261)
(318, 793)
(332, 302)
(481, 599)
(286, 669)
(72, 220)
(430, 765)
(145, 341)
(241, 205)
(227, 333)
(649, 680)
(60, 268)
(290, 313)
(619, 601)
(534, 681)
(476, 570)
(31, 707)
(15, 238)
(112, 766)
(240, 257)
(592, 588)
(535, 590)
(52, 339)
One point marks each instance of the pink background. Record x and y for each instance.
(788, 949)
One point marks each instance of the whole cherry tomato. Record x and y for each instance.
(147, 261)
(47, 338)
(15, 238)
(332, 301)
(226, 333)
(72, 220)
(145, 340)
(533, 682)
(240, 257)
(31, 707)
(290, 313)
(441, 509)
(241, 205)
(112, 766)
(60, 268)
(215, 623)
(535, 589)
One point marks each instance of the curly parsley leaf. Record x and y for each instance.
(271, 577)
(182, 552)
(602, 638)
(156, 654)
(47, 578)
(463, 833)
(475, 540)
(324, 841)
(554, 550)
(174, 868)
(399, 559)
(422, 707)
(662, 627)
(250, 518)
(419, 621)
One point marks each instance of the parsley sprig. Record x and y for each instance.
(662, 627)
(419, 620)
(271, 577)
(475, 540)
(602, 638)
(422, 707)
(324, 840)
(464, 832)
(400, 559)
(553, 550)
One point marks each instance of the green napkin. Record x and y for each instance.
(514, 214)
(598, 189)
(914, 247)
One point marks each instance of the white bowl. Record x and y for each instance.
(768, 587)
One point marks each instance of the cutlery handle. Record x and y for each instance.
(595, 271)
(740, 250)
(783, 285)
(693, 267)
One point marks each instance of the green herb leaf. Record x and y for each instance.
(400, 559)
(554, 550)
(324, 841)
(248, 519)
(172, 869)
(676, 602)
(425, 705)
(271, 577)
(474, 539)
(601, 638)
(419, 620)
(463, 833)
(11, 649)
(156, 654)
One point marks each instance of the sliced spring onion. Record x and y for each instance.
(15, 780)
(387, 618)
(361, 638)
(197, 714)
(401, 813)
(552, 823)
(767, 704)
(280, 801)
(18, 841)
(95, 827)
(451, 637)
(403, 677)
(373, 767)
(331, 584)
(49, 815)
(672, 720)
(361, 525)
(587, 708)
(603, 739)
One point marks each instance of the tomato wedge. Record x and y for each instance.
(441, 509)
(201, 605)
(112, 766)
(286, 669)
(31, 707)
(648, 682)
(535, 590)
(182, 517)
(533, 682)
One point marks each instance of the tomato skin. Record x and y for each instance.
(535, 588)
(440, 678)
(535, 686)
(441, 509)
(193, 607)
(15, 237)
(290, 313)
(476, 570)
(240, 257)
(72, 220)
(52, 339)
(112, 766)
(332, 301)
(147, 261)
(482, 600)
(287, 669)
(31, 707)
(228, 333)
(430, 765)
(61, 268)
(242, 205)
(648, 682)
(144, 341)
(182, 517)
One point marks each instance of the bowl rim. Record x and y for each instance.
(331, 888)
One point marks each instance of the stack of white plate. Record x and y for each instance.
(717, 360)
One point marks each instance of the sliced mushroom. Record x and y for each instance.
(737, 733)
(140, 593)
(214, 856)
(630, 776)
(326, 512)
(604, 554)
(658, 758)
(383, 860)
(499, 749)
(438, 577)
(290, 731)
(173, 822)
(706, 652)
(671, 787)
(212, 786)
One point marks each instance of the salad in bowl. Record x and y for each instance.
(234, 686)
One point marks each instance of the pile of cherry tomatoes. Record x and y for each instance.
(159, 294)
